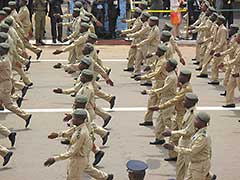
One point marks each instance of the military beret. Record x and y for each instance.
(144, 2)
(202, 116)
(191, 96)
(12, 3)
(3, 13)
(138, 10)
(4, 27)
(173, 62)
(9, 21)
(87, 72)
(166, 33)
(86, 60)
(81, 113)
(81, 99)
(4, 46)
(234, 26)
(89, 45)
(7, 10)
(154, 18)
(162, 47)
(136, 166)
(168, 25)
(207, 3)
(85, 19)
(93, 36)
(86, 25)
(221, 17)
(3, 37)
(214, 14)
(78, 4)
(185, 72)
(76, 10)
(146, 14)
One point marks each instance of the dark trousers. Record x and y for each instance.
(166, 6)
(56, 29)
(229, 18)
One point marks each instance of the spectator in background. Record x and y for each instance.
(3, 3)
(156, 4)
(176, 17)
(219, 4)
(113, 13)
(228, 5)
(166, 6)
(98, 11)
(56, 28)
(30, 8)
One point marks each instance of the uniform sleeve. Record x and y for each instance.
(137, 26)
(228, 51)
(197, 147)
(157, 71)
(235, 61)
(74, 149)
(80, 40)
(188, 131)
(168, 83)
(152, 35)
(138, 33)
(98, 69)
(130, 21)
(175, 47)
(67, 134)
(222, 41)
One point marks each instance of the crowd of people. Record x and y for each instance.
(151, 60)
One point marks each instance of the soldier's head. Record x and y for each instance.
(23, 3)
(12, 4)
(80, 101)
(86, 76)
(92, 38)
(4, 27)
(184, 77)
(233, 30)
(136, 169)
(213, 17)
(9, 21)
(84, 27)
(78, 4)
(201, 120)
(137, 12)
(220, 20)
(85, 63)
(3, 37)
(79, 116)
(87, 49)
(76, 12)
(204, 6)
(3, 15)
(190, 100)
(85, 19)
(145, 16)
(161, 50)
(8, 10)
(143, 5)
(165, 36)
(4, 48)
(171, 65)
(167, 27)
(153, 21)
(210, 10)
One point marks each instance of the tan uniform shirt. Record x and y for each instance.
(88, 91)
(220, 42)
(5, 69)
(24, 17)
(141, 34)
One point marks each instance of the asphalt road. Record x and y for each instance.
(127, 140)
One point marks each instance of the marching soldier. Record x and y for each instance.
(78, 153)
(6, 154)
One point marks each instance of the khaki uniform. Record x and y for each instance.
(3, 151)
(6, 88)
(233, 81)
(200, 153)
(185, 134)
(175, 47)
(138, 37)
(137, 25)
(180, 111)
(219, 44)
(167, 92)
(40, 18)
(4, 131)
(78, 155)
(170, 50)
(24, 17)
(149, 45)
(159, 74)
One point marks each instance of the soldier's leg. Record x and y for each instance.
(200, 170)
(131, 57)
(103, 114)
(138, 61)
(152, 101)
(100, 63)
(102, 94)
(4, 131)
(181, 166)
(226, 77)
(3, 151)
(22, 74)
(31, 47)
(43, 22)
(205, 64)
(99, 130)
(232, 84)
(197, 51)
(53, 27)
(95, 173)
(76, 167)
(173, 139)
(59, 28)
(72, 57)
(214, 69)
(37, 26)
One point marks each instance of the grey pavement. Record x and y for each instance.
(127, 140)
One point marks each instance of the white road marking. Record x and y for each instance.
(65, 60)
(123, 109)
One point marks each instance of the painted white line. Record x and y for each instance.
(65, 60)
(123, 109)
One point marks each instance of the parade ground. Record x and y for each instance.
(127, 139)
